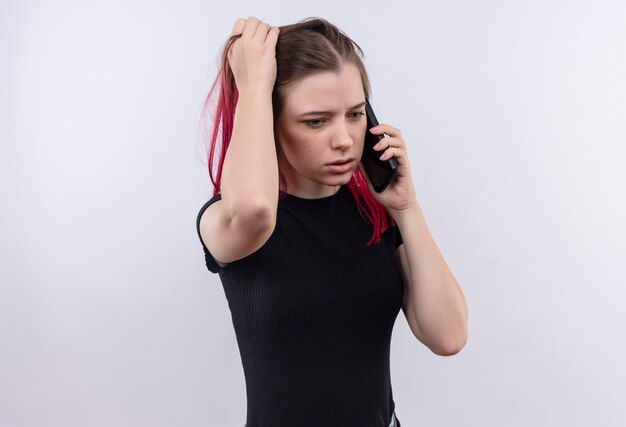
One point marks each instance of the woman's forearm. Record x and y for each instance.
(249, 184)
(438, 302)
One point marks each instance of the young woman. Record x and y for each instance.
(314, 263)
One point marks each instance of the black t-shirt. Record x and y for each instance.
(313, 311)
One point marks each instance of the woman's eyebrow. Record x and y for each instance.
(326, 112)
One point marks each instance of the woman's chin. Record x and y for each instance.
(342, 179)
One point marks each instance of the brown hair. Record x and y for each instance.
(310, 46)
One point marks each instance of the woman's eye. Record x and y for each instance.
(359, 114)
(316, 123)
(310, 123)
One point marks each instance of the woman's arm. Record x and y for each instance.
(245, 217)
(434, 304)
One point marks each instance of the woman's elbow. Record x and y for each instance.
(451, 346)
(255, 215)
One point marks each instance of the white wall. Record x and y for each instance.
(514, 116)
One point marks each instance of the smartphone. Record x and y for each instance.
(381, 172)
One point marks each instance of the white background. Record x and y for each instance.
(514, 115)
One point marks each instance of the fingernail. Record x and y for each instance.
(375, 128)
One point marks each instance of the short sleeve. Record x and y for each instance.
(398, 236)
(211, 264)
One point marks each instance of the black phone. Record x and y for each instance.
(381, 172)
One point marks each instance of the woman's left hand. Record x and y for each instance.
(400, 194)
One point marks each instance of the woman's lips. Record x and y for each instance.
(342, 167)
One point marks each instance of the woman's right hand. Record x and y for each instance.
(252, 57)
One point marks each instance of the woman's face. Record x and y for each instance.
(310, 142)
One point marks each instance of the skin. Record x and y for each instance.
(434, 305)
(306, 144)
(242, 221)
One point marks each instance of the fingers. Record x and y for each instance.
(252, 54)
(392, 145)
(389, 130)
(261, 30)
(390, 141)
(392, 152)
(250, 28)
(255, 28)
(272, 35)
(238, 26)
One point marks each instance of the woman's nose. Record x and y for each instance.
(342, 139)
